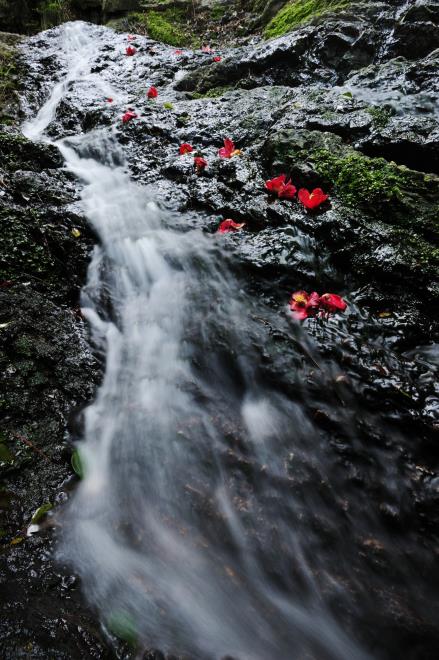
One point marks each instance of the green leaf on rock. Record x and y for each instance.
(41, 512)
(77, 464)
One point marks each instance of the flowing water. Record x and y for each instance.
(208, 520)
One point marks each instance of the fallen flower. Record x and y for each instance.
(281, 187)
(152, 92)
(109, 100)
(228, 151)
(128, 116)
(228, 226)
(217, 58)
(130, 51)
(331, 302)
(178, 52)
(312, 200)
(303, 304)
(185, 148)
(200, 164)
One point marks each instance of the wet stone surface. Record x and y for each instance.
(348, 87)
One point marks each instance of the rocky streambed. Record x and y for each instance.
(349, 104)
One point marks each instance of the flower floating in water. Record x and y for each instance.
(200, 164)
(304, 305)
(130, 51)
(186, 148)
(330, 303)
(228, 226)
(281, 187)
(312, 200)
(152, 92)
(217, 58)
(128, 116)
(228, 151)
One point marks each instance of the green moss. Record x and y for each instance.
(360, 180)
(169, 26)
(298, 12)
(8, 77)
(380, 115)
(213, 93)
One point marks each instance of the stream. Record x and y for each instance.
(223, 513)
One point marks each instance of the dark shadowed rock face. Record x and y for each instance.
(349, 103)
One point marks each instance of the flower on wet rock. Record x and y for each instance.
(178, 51)
(312, 200)
(281, 187)
(228, 151)
(152, 92)
(109, 100)
(186, 148)
(217, 58)
(200, 164)
(130, 51)
(303, 304)
(228, 226)
(128, 116)
(331, 302)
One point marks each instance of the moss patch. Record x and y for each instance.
(8, 82)
(298, 12)
(170, 26)
(213, 93)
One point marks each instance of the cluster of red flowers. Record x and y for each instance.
(286, 190)
(200, 163)
(303, 304)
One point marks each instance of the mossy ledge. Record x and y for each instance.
(298, 12)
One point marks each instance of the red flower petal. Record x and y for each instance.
(287, 191)
(186, 149)
(312, 200)
(331, 302)
(109, 100)
(178, 52)
(217, 59)
(130, 51)
(228, 149)
(275, 185)
(128, 116)
(228, 226)
(303, 304)
(200, 163)
(152, 92)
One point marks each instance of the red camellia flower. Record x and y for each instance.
(228, 226)
(330, 303)
(186, 149)
(217, 58)
(312, 200)
(200, 163)
(130, 51)
(303, 304)
(281, 187)
(128, 116)
(152, 92)
(228, 151)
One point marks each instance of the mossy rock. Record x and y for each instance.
(17, 152)
(378, 202)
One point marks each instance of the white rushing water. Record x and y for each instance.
(155, 528)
